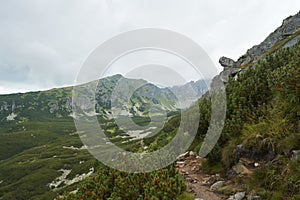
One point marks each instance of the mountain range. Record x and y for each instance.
(58, 102)
(42, 157)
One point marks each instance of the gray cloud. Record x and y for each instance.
(44, 43)
(20, 74)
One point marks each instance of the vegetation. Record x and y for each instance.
(31, 158)
(111, 184)
(263, 116)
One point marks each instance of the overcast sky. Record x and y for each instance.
(43, 43)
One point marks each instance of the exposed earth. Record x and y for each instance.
(198, 183)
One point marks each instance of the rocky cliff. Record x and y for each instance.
(284, 36)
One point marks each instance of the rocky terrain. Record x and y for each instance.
(264, 163)
(211, 187)
(284, 36)
(231, 183)
(288, 33)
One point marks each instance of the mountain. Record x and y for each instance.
(284, 36)
(41, 154)
(190, 92)
(257, 155)
(259, 149)
(287, 35)
(58, 102)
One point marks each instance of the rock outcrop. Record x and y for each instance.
(287, 35)
(227, 62)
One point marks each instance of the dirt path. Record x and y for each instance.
(198, 183)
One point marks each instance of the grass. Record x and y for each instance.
(32, 152)
(31, 158)
(185, 196)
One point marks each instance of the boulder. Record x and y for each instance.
(217, 185)
(227, 62)
(237, 196)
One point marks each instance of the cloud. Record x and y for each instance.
(45, 42)
(20, 74)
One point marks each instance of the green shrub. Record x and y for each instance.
(111, 184)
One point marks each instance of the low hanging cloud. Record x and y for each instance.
(44, 43)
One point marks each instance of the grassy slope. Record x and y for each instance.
(263, 116)
(30, 159)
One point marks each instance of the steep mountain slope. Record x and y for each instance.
(286, 35)
(258, 151)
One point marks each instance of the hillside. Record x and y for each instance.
(258, 152)
(256, 157)
(41, 154)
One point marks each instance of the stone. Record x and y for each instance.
(195, 168)
(289, 27)
(217, 185)
(253, 197)
(227, 62)
(191, 153)
(295, 155)
(237, 196)
(182, 156)
(241, 169)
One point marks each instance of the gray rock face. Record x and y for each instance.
(227, 62)
(292, 42)
(288, 28)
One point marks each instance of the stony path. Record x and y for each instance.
(198, 183)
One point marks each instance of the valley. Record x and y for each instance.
(42, 155)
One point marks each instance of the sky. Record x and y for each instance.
(44, 43)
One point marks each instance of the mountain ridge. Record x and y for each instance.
(289, 27)
(58, 101)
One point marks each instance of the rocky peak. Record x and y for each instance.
(226, 62)
(289, 31)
